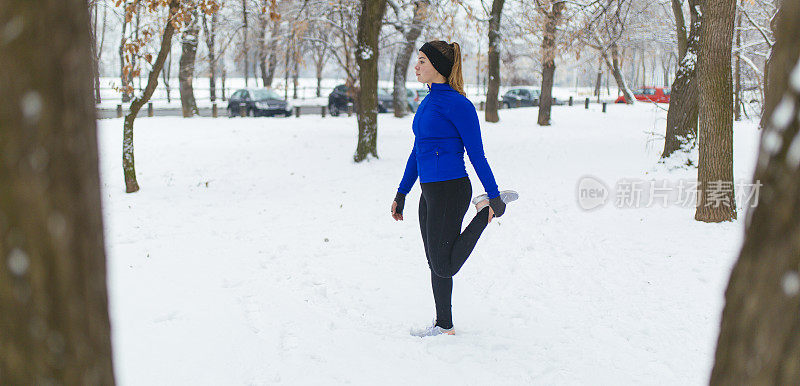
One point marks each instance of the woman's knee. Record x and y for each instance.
(443, 272)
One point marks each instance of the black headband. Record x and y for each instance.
(439, 61)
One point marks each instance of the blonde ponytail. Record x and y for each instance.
(452, 52)
(456, 80)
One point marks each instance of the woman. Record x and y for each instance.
(444, 125)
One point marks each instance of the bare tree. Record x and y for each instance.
(189, 40)
(715, 201)
(210, 34)
(758, 341)
(124, 71)
(54, 326)
(493, 87)
(681, 132)
(369, 28)
(410, 32)
(552, 11)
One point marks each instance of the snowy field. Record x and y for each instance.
(258, 253)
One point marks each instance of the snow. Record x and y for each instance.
(783, 114)
(31, 106)
(257, 252)
(794, 78)
(18, 262)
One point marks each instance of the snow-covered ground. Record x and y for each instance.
(258, 253)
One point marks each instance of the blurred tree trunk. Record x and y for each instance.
(54, 323)
(681, 132)
(759, 340)
(262, 49)
(552, 19)
(737, 92)
(188, 58)
(780, 61)
(272, 62)
(400, 101)
(598, 79)
(128, 166)
(614, 64)
(245, 43)
(369, 28)
(493, 86)
(716, 198)
(211, 34)
(123, 73)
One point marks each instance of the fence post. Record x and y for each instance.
(570, 100)
(587, 103)
(149, 109)
(482, 106)
(604, 106)
(242, 109)
(323, 110)
(214, 112)
(297, 111)
(119, 111)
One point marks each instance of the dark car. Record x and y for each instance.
(654, 94)
(521, 97)
(339, 101)
(258, 102)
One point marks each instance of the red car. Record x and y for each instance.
(655, 94)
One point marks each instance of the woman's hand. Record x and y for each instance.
(491, 215)
(397, 206)
(396, 216)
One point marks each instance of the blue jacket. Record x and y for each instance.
(445, 123)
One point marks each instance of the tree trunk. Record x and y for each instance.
(680, 25)
(54, 323)
(272, 62)
(131, 185)
(552, 19)
(404, 57)
(187, 61)
(715, 170)
(759, 339)
(493, 87)
(245, 43)
(614, 64)
(737, 93)
(165, 75)
(262, 52)
(295, 76)
(210, 34)
(681, 132)
(124, 77)
(320, 65)
(222, 80)
(598, 79)
(369, 28)
(96, 55)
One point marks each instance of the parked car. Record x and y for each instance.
(385, 101)
(655, 94)
(415, 97)
(258, 102)
(339, 101)
(521, 97)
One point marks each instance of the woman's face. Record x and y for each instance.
(425, 71)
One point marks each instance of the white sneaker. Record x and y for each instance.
(506, 196)
(433, 331)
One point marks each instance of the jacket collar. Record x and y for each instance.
(440, 86)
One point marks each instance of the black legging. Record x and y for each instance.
(442, 206)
